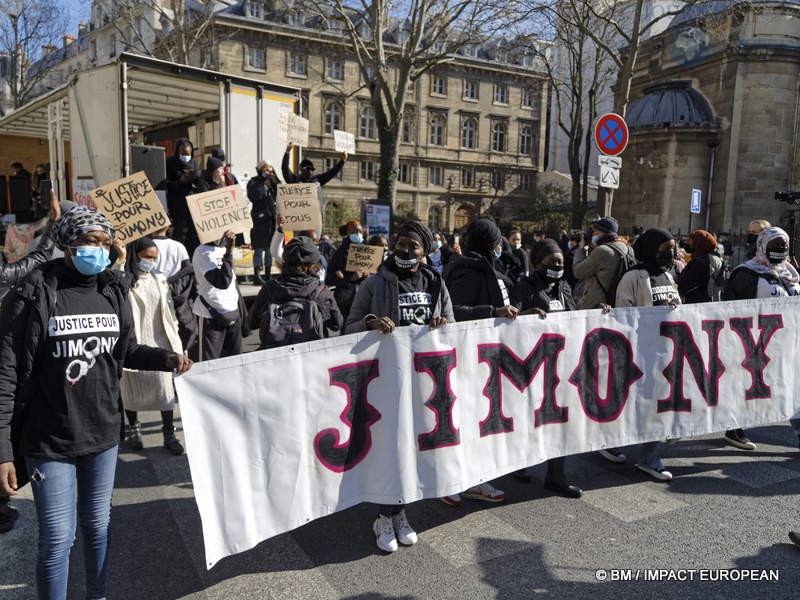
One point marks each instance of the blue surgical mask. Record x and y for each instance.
(436, 245)
(146, 265)
(595, 240)
(184, 158)
(90, 260)
(356, 238)
(497, 253)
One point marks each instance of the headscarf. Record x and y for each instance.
(544, 248)
(760, 263)
(132, 257)
(702, 242)
(79, 220)
(482, 236)
(646, 249)
(418, 231)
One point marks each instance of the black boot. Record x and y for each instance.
(133, 437)
(171, 442)
(556, 479)
(257, 280)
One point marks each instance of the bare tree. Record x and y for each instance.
(174, 30)
(397, 42)
(29, 28)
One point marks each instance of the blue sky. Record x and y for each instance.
(78, 10)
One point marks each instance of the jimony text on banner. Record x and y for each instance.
(280, 437)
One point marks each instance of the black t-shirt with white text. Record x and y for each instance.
(663, 290)
(75, 410)
(413, 301)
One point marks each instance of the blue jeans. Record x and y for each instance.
(54, 489)
(649, 455)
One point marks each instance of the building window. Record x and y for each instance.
(499, 134)
(435, 175)
(330, 163)
(403, 173)
(367, 170)
(527, 98)
(470, 50)
(469, 133)
(435, 218)
(525, 140)
(112, 46)
(438, 86)
(256, 58)
(255, 9)
(467, 177)
(438, 126)
(470, 89)
(297, 64)
(501, 93)
(367, 129)
(405, 130)
(333, 117)
(335, 70)
(498, 180)
(525, 182)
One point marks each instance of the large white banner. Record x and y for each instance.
(281, 437)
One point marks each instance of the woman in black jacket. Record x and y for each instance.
(542, 291)
(479, 290)
(66, 332)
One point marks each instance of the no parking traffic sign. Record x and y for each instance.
(611, 134)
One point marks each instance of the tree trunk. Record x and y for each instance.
(387, 176)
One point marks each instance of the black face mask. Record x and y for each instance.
(550, 274)
(776, 257)
(665, 258)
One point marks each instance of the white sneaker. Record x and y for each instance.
(613, 455)
(454, 500)
(659, 474)
(486, 492)
(384, 534)
(405, 535)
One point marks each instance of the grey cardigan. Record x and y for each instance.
(378, 294)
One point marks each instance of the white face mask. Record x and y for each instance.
(516, 245)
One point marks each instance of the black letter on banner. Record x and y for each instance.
(756, 359)
(685, 348)
(520, 373)
(358, 415)
(622, 373)
(439, 365)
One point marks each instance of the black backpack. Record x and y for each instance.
(625, 264)
(290, 320)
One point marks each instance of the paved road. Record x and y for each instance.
(726, 509)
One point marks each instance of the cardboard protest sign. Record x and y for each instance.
(219, 210)
(344, 142)
(132, 207)
(293, 128)
(361, 257)
(299, 205)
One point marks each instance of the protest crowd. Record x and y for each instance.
(117, 320)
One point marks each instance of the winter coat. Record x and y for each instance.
(634, 289)
(24, 324)
(183, 287)
(598, 270)
(296, 285)
(474, 287)
(700, 279)
(378, 295)
(534, 292)
(261, 192)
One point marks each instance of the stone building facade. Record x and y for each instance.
(717, 108)
(473, 137)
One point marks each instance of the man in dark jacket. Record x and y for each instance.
(307, 174)
(261, 191)
(182, 172)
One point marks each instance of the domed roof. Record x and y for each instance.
(670, 104)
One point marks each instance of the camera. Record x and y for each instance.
(788, 196)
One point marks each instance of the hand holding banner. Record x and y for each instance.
(299, 205)
(132, 207)
(361, 257)
(344, 142)
(219, 210)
